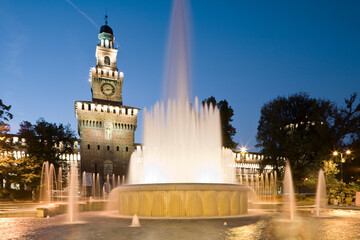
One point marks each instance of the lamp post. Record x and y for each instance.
(342, 160)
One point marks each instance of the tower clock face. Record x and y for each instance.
(107, 89)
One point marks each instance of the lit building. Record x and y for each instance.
(248, 163)
(106, 126)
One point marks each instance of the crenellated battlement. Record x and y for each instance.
(93, 107)
(106, 72)
(98, 124)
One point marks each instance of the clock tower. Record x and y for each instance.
(106, 126)
(106, 81)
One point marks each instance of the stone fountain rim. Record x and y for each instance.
(183, 186)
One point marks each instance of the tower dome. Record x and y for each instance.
(106, 29)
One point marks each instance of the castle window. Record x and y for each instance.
(108, 147)
(126, 149)
(107, 60)
(88, 146)
(117, 148)
(98, 147)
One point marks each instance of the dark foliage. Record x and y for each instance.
(305, 131)
(226, 114)
(47, 141)
(6, 160)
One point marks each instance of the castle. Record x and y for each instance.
(106, 126)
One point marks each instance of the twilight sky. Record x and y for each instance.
(247, 52)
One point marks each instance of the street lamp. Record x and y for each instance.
(342, 160)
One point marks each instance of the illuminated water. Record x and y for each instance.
(47, 183)
(320, 193)
(182, 140)
(182, 145)
(289, 194)
(73, 186)
(342, 225)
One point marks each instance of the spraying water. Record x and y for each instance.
(84, 184)
(60, 188)
(289, 193)
(97, 186)
(320, 193)
(108, 183)
(48, 182)
(113, 181)
(73, 184)
(93, 187)
(118, 181)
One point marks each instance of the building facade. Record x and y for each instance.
(106, 126)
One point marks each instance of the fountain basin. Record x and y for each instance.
(182, 200)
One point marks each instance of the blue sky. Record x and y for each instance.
(247, 52)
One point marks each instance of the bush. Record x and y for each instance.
(279, 196)
(5, 194)
(11, 194)
(21, 195)
(300, 197)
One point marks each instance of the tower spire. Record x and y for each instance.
(106, 18)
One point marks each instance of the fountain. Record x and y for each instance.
(320, 193)
(289, 226)
(108, 188)
(93, 187)
(182, 171)
(60, 183)
(73, 193)
(113, 182)
(135, 222)
(118, 181)
(84, 185)
(97, 186)
(47, 182)
(289, 194)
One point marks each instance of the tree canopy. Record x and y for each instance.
(6, 160)
(226, 114)
(47, 141)
(305, 131)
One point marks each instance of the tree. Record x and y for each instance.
(304, 131)
(44, 142)
(5, 114)
(6, 160)
(28, 172)
(226, 114)
(330, 171)
(47, 141)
